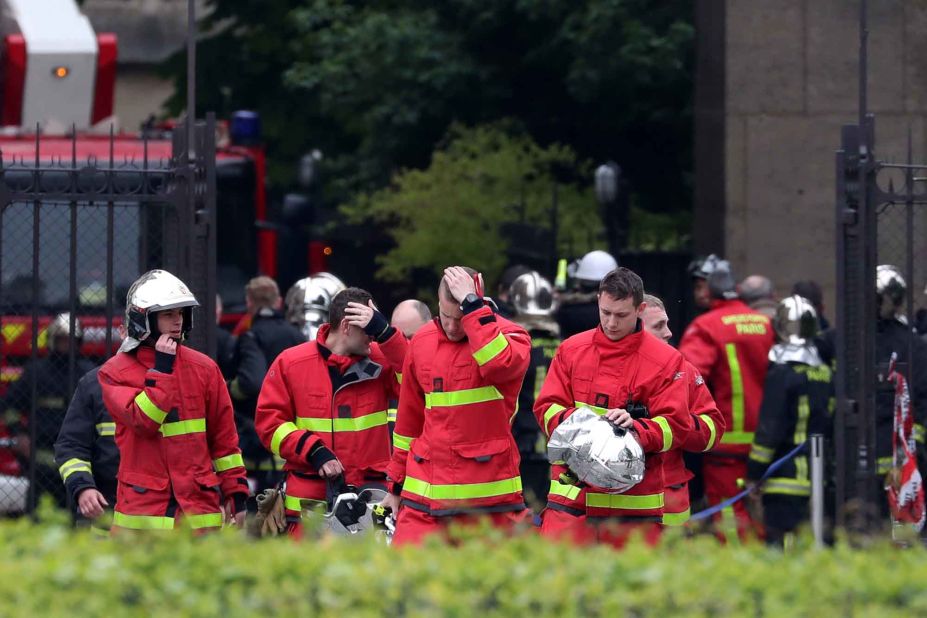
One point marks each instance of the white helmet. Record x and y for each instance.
(531, 294)
(595, 265)
(156, 290)
(308, 300)
(796, 321)
(61, 327)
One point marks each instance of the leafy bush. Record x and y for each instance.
(48, 570)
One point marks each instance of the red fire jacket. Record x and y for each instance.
(453, 449)
(176, 437)
(729, 345)
(297, 411)
(592, 371)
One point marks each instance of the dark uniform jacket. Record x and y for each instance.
(85, 451)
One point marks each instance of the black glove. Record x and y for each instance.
(164, 362)
(378, 327)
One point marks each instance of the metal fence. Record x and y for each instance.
(80, 219)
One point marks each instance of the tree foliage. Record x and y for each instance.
(455, 210)
(376, 84)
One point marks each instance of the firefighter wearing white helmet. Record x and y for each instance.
(533, 301)
(579, 309)
(175, 427)
(308, 300)
(797, 392)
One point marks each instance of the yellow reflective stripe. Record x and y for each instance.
(295, 503)
(737, 437)
(761, 454)
(622, 501)
(281, 432)
(712, 430)
(106, 429)
(462, 491)
(570, 492)
(149, 408)
(142, 522)
(598, 410)
(667, 432)
(360, 423)
(552, 411)
(792, 487)
(402, 442)
(729, 525)
(676, 519)
(462, 398)
(919, 433)
(391, 415)
(228, 462)
(74, 465)
(180, 428)
(204, 520)
(491, 350)
(801, 427)
(737, 391)
(884, 464)
(399, 377)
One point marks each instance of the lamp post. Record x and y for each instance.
(613, 203)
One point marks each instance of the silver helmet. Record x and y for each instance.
(590, 447)
(156, 290)
(61, 327)
(308, 300)
(890, 289)
(532, 295)
(796, 321)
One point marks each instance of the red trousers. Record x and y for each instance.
(721, 476)
(412, 526)
(560, 526)
(676, 505)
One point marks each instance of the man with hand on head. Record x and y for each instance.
(454, 456)
(323, 404)
(175, 427)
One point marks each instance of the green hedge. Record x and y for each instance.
(48, 570)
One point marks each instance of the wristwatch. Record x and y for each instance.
(469, 300)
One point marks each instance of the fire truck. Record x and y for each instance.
(59, 79)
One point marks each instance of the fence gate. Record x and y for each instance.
(80, 219)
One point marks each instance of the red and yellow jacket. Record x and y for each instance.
(453, 450)
(729, 346)
(592, 371)
(297, 411)
(175, 431)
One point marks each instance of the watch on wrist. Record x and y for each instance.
(469, 299)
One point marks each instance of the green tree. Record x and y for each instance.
(376, 84)
(455, 210)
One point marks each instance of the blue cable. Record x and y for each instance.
(740, 496)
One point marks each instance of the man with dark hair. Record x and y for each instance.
(255, 349)
(728, 345)
(323, 404)
(453, 451)
(637, 382)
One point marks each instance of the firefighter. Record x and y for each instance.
(323, 404)
(637, 382)
(256, 348)
(454, 456)
(86, 452)
(707, 423)
(175, 427)
(699, 269)
(52, 376)
(579, 310)
(307, 302)
(409, 316)
(729, 345)
(532, 299)
(797, 397)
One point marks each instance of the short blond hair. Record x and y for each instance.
(263, 292)
(653, 301)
